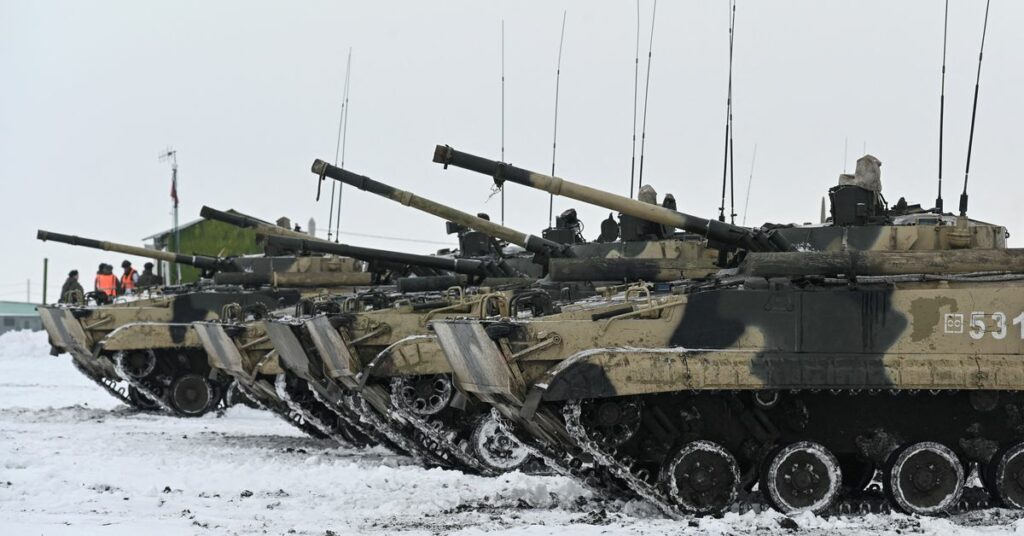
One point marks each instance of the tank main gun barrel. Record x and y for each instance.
(248, 222)
(211, 264)
(725, 233)
(531, 243)
(475, 267)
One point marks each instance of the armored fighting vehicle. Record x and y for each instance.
(342, 349)
(257, 377)
(632, 249)
(400, 396)
(792, 375)
(860, 218)
(178, 383)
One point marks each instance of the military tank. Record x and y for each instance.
(382, 393)
(291, 399)
(351, 357)
(791, 377)
(143, 341)
(438, 428)
(78, 329)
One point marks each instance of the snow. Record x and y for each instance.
(73, 460)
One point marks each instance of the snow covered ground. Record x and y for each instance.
(75, 461)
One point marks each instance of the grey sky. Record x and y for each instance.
(249, 94)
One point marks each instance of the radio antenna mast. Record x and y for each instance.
(728, 113)
(503, 114)
(647, 91)
(942, 103)
(554, 141)
(750, 182)
(636, 87)
(342, 137)
(974, 114)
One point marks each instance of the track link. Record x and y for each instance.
(141, 387)
(439, 439)
(281, 386)
(107, 384)
(636, 481)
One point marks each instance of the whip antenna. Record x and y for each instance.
(503, 114)
(636, 87)
(732, 178)
(554, 141)
(974, 113)
(647, 91)
(942, 103)
(750, 182)
(728, 115)
(342, 120)
(344, 137)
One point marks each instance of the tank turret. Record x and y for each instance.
(533, 244)
(464, 266)
(752, 239)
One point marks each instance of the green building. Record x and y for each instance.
(203, 237)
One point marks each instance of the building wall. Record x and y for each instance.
(213, 238)
(13, 323)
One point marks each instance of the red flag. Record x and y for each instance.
(174, 191)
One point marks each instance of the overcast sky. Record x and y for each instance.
(249, 94)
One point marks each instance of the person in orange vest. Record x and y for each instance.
(106, 281)
(129, 279)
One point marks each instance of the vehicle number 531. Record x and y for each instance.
(980, 323)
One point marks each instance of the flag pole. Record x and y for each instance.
(172, 155)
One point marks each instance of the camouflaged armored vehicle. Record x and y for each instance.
(631, 249)
(342, 353)
(150, 339)
(142, 343)
(860, 218)
(793, 376)
(178, 382)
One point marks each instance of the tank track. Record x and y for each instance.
(142, 387)
(341, 406)
(395, 433)
(435, 436)
(865, 502)
(283, 412)
(621, 469)
(565, 463)
(107, 384)
(280, 385)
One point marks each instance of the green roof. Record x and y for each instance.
(10, 308)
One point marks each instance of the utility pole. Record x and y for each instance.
(170, 155)
(46, 270)
(28, 291)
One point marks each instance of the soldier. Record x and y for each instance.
(129, 279)
(106, 282)
(148, 279)
(72, 291)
